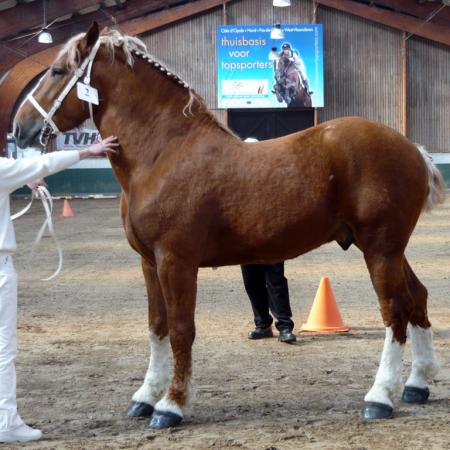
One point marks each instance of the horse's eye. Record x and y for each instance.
(57, 71)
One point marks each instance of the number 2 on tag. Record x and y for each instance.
(87, 93)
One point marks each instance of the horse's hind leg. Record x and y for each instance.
(157, 376)
(424, 362)
(389, 281)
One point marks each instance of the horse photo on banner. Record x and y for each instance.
(256, 71)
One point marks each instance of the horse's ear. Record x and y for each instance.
(90, 37)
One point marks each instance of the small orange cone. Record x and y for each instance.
(324, 316)
(67, 210)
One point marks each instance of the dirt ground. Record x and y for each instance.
(83, 348)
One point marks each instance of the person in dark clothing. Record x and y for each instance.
(267, 288)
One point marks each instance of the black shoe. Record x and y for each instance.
(286, 335)
(260, 333)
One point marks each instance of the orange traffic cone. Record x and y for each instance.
(67, 210)
(324, 316)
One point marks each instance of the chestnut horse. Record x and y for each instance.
(194, 195)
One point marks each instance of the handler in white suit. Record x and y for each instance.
(13, 175)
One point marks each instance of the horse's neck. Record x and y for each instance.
(145, 110)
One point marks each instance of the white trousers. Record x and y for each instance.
(9, 418)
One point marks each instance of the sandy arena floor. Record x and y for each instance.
(83, 348)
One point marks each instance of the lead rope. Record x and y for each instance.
(47, 203)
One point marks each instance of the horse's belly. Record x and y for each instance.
(272, 241)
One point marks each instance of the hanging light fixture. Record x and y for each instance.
(281, 3)
(277, 32)
(44, 36)
(273, 55)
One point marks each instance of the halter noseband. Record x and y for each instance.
(50, 127)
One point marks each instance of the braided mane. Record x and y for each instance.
(134, 47)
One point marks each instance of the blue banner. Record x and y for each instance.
(255, 71)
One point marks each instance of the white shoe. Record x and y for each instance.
(23, 433)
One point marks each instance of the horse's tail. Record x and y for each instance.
(436, 183)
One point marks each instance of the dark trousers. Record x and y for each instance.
(267, 288)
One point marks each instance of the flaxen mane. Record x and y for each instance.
(134, 47)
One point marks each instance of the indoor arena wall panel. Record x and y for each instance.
(363, 70)
(189, 49)
(251, 12)
(429, 94)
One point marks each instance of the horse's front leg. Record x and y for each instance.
(179, 286)
(157, 376)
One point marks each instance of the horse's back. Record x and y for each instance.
(352, 169)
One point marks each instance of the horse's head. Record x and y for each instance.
(32, 121)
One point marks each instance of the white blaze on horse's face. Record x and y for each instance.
(29, 119)
(54, 98)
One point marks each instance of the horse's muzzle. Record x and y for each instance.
(28, 135)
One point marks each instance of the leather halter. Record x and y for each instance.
(50, 127)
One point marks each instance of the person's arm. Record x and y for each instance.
(16, 173)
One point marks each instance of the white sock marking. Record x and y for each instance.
(166, 405)
(157, 376)
(389, 372)
(424, 362)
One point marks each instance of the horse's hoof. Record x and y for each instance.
(413, 394)
(139, 409)
(164, 419)
(375, 410)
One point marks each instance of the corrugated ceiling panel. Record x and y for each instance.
(254, 12)
(189, 49)
(362, 69)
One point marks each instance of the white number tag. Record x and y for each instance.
(87, 93)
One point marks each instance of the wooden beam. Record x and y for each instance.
(413, 8)
(225, 22)
(162, 18)
(314, 6)
(27, 16)
(403, 22)
(419, 10)
(13, 52)
(404, 109)
(137, 25)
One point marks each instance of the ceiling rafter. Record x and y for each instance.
(11, 52)
(28, 16)
(400, 21)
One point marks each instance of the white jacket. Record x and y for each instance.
(15, 174)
